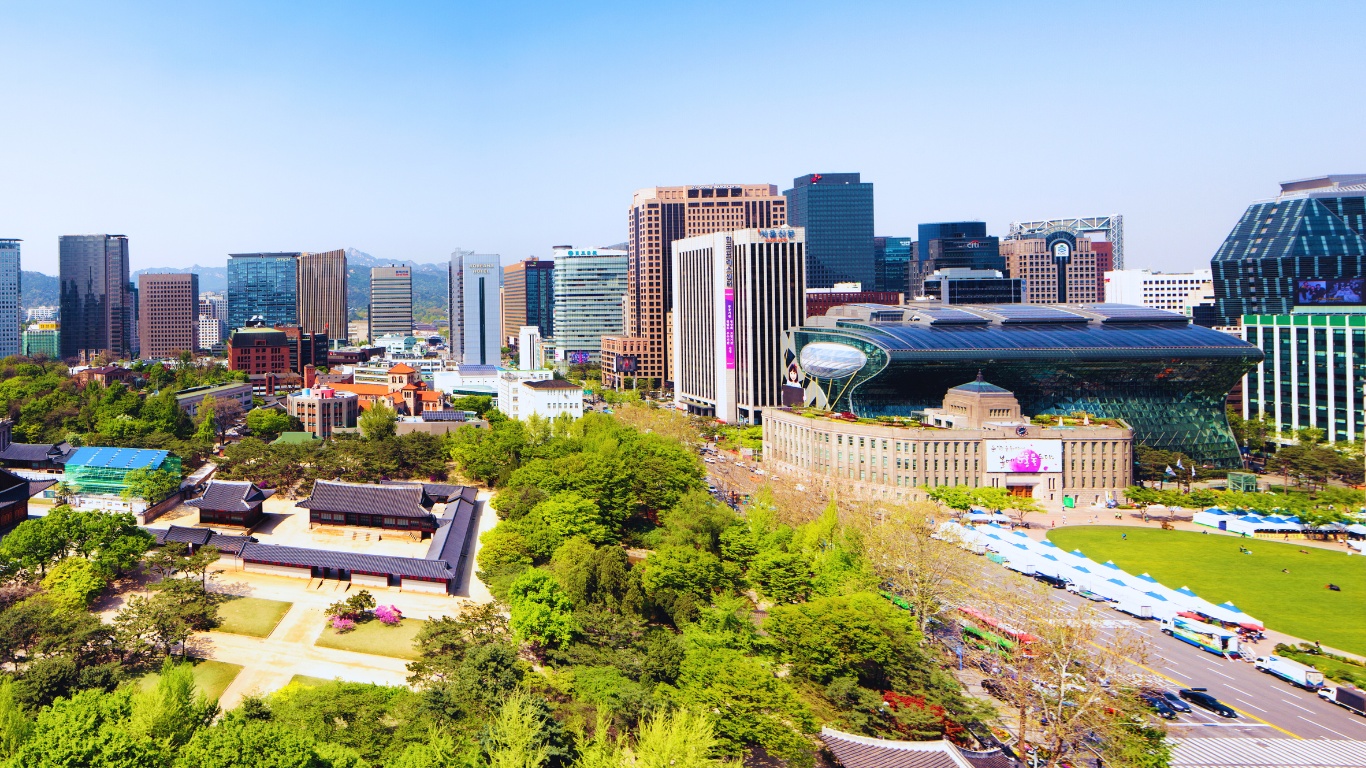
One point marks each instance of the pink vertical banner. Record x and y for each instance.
(730, 329)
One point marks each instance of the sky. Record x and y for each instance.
(407, 130)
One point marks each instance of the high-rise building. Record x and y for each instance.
(1310, 239)
(43, 339)
(953, 245)
(135, 312)
(529, 297)
(836, 210)
(972, 286)
(214, 304)
(391, 301)
(1105, 262)
(736, 295)
(11, 318)
(322, 294)
(1314, 374)
(1057, 265)
(529, 357)
(95, 300)
(39, 314)
(891, 263)
(1108, 229)
(212, 332)
(590, 284)
(476, 317)
(657, 217)
(265, 286)
(1178, 292)
(168, 313)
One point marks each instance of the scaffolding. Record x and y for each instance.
(105, 470)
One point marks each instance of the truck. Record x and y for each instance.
(1291, 671)
(1346, 696)
(1207, 637)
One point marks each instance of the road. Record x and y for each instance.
(1268, 707)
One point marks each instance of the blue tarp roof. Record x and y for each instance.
(117, 458)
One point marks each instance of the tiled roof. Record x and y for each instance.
(35, 452)
(378, 565)
(1267, 753)
(853, 751)
(117, 458)
(403, 368)
(429, 396)
(36, 487)
(551, 384)
(390, 500)
(231, 496)
(200, 537)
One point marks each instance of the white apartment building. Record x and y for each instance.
(735, 294)
(529, 353)
(1177, 292)
(520, 397)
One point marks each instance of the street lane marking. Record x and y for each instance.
(1231, 688)
(1321, 725)
(1230, 725)
(1297, 706)
(1221, 674)
(1259, 709)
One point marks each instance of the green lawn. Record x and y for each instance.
(1295, 603)
(374, 637)
(253, 616)
(210, 677)
(308, 681)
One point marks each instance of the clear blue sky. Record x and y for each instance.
(407, 130)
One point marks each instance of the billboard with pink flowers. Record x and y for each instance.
(1027, 456)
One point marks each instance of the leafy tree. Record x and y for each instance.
(685, 738)
(267, 422)
(912, 560)
(785, 577)
(240, 741)
(860, 635)
(74, 583)
(89, 729)
(574, 567)
(541, 612)
(682, 570)
(568, 514)
(378, 421)
(15, 725)
(151, 485)
(171, 712)
(480, 404)
(515, 738)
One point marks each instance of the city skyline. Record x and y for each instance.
(1152, 128)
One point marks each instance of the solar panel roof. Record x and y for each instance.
(1028, 313)
(117, 458)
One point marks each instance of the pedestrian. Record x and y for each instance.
(1124, 537)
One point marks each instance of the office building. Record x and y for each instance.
(736, 294)
(978, 437)
(820, 300)
(96, 306)
(43, 339)
(1162, 375)
(214, 304)
(1314, 372)
(529, 355)
(892, 258)
(391, 301)
(11, 316)
(590, 284)
(953, 245)
(212, 332)
(39, 314)
(657, 217)
(521, 398)
(1058, 266)
(972, 286)
(529, 297)
(1177, 292)
(1109, 229)
(168, 314)
(282, 349)
(836, 211)
(1105, 262)
(1306, 244)
(476, 317)
(264, 286)
(323, 410)
(135, 312)
(322, 294)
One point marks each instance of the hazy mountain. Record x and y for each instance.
(429, 285)
(39, 290)
(210, 278)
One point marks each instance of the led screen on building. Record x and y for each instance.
(1346, 290)
(1024, 455)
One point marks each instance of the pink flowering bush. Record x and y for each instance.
(342, 624)
(389, 615)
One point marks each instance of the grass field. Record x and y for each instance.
(211, 678)
(253, 616)
(1295, 603)
(308, 681)
(374, 637)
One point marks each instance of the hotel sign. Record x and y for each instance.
(784, 235)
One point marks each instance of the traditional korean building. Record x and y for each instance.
(228, 502)
(15, 491)
(396, 507)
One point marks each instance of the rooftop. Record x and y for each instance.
(117, 458)
(231, 496)
(551, 384)
(358, 498)
(852, 751)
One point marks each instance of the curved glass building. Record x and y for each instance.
(1167, 378)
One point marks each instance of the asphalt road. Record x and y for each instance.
(1268, 707)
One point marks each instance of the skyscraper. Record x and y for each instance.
(953, 245)
(836, 210)
(391, 301)
(1058, 267)
(322, 294)
(657, 217)
(264, 285)
(1306, 245)
(590, 284)
(168, 313)
(96, 314)
(529, 297)
(10, 291)
(891, 262)
(476, 317)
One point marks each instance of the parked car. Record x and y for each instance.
(1200, 698)
(1174, 701)
(1159, 704)
(1056, 582)
(996, 688)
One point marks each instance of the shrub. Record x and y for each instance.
(389, 616)
(342, 624)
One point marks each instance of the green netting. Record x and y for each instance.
(111, 481)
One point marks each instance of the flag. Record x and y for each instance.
(1192, 471)
(1178, 463)
(1171, 471)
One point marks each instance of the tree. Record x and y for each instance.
(74, 583)
(171, 712)
(268, 423)
(541, 612)
(785, 577)
(150, 485)
(569, 514)
(515, 737)
(88, 729)
(15, 726)
(239, 741)
(925, 569)
(378, 421)
(685, 738)
(682, 570)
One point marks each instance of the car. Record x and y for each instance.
(996, 688)
(1174, 701)
(1200, 698)
(1159, 704)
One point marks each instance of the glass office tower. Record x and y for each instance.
(1308, 243)
(263, 285)
(10, 313)
(590, 284)
(836, 209)
(955, 245)
(96, 304)
(891, 262)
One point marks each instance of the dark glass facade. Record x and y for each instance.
(891, 264)
(263, 285)
(955, 245)
(975, 290)
(97, 309)
(540, 297)
(1315, 229)
(1165, 378)
(836, 209)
